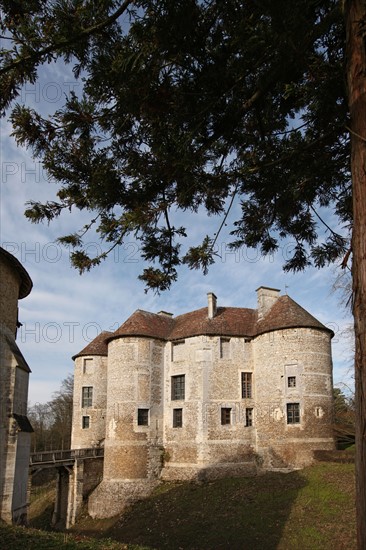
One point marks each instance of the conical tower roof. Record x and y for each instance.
(98, 346)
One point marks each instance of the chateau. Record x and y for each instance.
(15, 428)
(213, 392)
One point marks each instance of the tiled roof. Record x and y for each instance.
(98, 346)
(228, 321)
(144, 323)
(286, 313)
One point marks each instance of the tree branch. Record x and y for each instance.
(336, 235)
(37, 55)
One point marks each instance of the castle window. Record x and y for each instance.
(178, 350)
(87, 396)
(293, 413)
(177, 418)
(246, 385)
(142, 417)
(225, 416)
(86, 422)
(224, 348)
(291, 382)
(248, 417)
(87, 365)
(178, 387)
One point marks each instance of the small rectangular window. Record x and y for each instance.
(178, 350)
(177, 418)
(225, 416)
(246, 385)
(143, 417)
(178, 387)
(87, 397)
(291, 382)
(248, 417)
(224, 348)
(86, 422)
(87, 365)
(293, 413)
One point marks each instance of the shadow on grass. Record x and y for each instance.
(43, 519)
(42, 505)
(235, 513)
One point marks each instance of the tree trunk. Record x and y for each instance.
(355, 17)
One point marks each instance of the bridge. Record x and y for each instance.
(66, 457)
(79, 471)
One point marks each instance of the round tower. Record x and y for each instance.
(293, 377)
(15, 429)
(134, 418)
(90, 394)
(15, 284)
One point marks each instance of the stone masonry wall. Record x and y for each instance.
(91, 372)
(304, 355)
(223, 431)
(10, 284)
(135, 367)
(203, 446)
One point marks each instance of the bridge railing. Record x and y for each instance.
(66, 455)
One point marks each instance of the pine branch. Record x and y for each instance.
(53, 47)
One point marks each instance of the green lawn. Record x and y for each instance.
(308, 509)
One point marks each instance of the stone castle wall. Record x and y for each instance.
(212, 367)
(290, 373)
(90, 372)
(135, 369)
(10, 284)
(302, 354)
(14, 376)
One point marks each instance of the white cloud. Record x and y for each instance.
(65, 308)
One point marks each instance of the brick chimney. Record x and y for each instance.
(212, 305)
(266, 297)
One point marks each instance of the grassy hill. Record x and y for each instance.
(309, 509)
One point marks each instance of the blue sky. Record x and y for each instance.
(65, 310)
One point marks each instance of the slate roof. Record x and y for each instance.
(228, 321)
(22, 363)
(23, 423)
(25, 280)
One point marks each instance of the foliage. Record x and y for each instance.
(188, 105)
(51, 421)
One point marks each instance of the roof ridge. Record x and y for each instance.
(230, 321)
